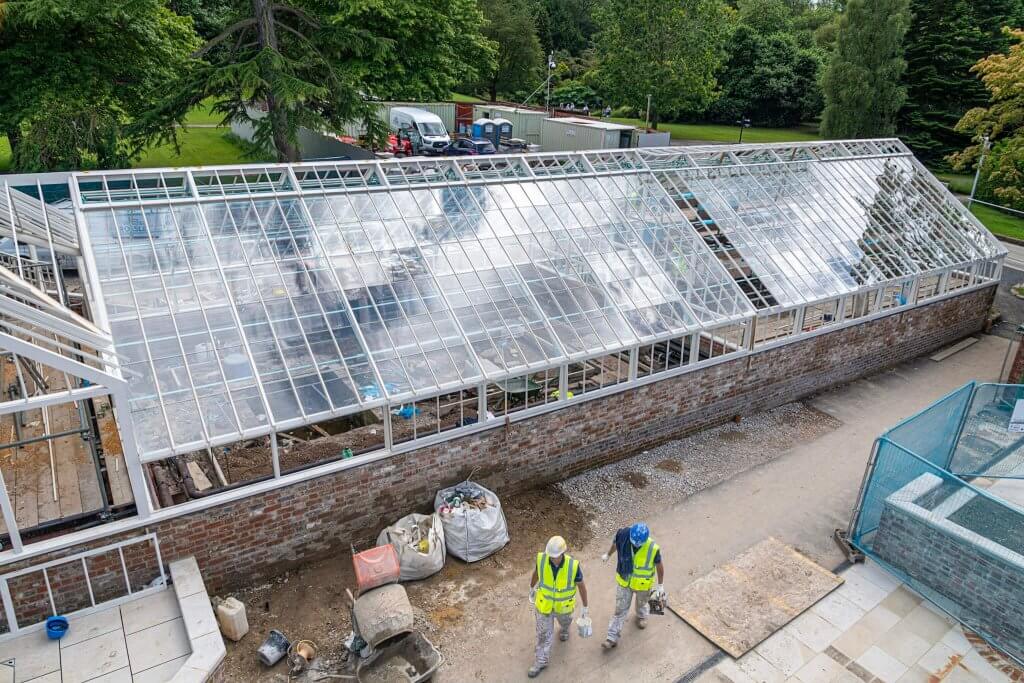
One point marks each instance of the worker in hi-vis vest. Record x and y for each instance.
(556, 579)
(638, 558)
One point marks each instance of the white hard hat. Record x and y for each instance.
(556, 546)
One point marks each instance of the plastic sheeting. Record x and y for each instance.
(471, 533)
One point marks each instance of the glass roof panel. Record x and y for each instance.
(801, 231)
(245, 299)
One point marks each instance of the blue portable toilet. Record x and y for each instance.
(484, 129)
(502, 131)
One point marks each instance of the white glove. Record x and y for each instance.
(533, 594)
(659, 591)
(604, 558)
(585, 612)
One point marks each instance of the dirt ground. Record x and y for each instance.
(311, 602)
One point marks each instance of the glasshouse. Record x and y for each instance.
(181, 339)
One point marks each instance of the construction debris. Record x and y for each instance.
(474, 524)
(419, 542)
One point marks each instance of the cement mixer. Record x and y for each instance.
(384, 645)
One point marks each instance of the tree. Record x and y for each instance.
(316, 63)
(209, 17)
(946, 38)
(78, 75)
(668, 49)
(520, 60)
(769, 77)
(862, 88)
(286, 58)
(429, 46)
(1002, 122)
(765, 17)
(564, 25)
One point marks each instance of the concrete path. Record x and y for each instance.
(799, 498)
(1015, 259)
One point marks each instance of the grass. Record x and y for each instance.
(199, 147)
(958, 183)
(998, 222)
(202, 115)
(711, 132)
(466, 99)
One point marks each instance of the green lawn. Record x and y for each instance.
(203, 115)
(959, 183)
(712, 132)
(459, 97)
(998, 222)
(199, 147)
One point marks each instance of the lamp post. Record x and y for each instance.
(744, 122)
(551, 67)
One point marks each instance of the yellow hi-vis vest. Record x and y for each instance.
(642, 578)
(556, 591)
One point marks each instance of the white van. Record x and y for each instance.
(429, 128)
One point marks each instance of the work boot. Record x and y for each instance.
(535, 670)
(641, 622)
(563, 635)
(608, 645)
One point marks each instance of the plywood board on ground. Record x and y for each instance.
(744, 601)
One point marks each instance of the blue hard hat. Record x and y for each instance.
(639, 533)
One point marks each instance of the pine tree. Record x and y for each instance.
(863, 92)
(946, 39)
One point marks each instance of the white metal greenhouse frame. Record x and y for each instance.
(601, 252)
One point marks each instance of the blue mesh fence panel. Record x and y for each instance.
(989, 444)
(956, 544)
(932, 433)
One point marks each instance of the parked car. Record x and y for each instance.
(468, 147)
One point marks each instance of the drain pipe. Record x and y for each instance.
(162, 484)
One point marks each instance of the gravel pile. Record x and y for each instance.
(680, 468)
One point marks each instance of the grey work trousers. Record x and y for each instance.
(624, 596)
(546, 634)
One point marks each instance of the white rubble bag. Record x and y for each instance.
(419, 542)
(471, 533)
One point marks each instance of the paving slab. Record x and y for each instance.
(95, 657)
(92, 625)
(157, 644)
(34, 655)
(149, 611)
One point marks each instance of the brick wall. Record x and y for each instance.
(262, 535)
(985, 590)
(1017, 368)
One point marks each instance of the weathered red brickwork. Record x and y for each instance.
(262, 535)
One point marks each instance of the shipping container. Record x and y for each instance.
(572, 134)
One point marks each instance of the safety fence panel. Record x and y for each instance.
(958, 545)
(991, 442)
(932, 433)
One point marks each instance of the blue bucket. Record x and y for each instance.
(56, 627)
